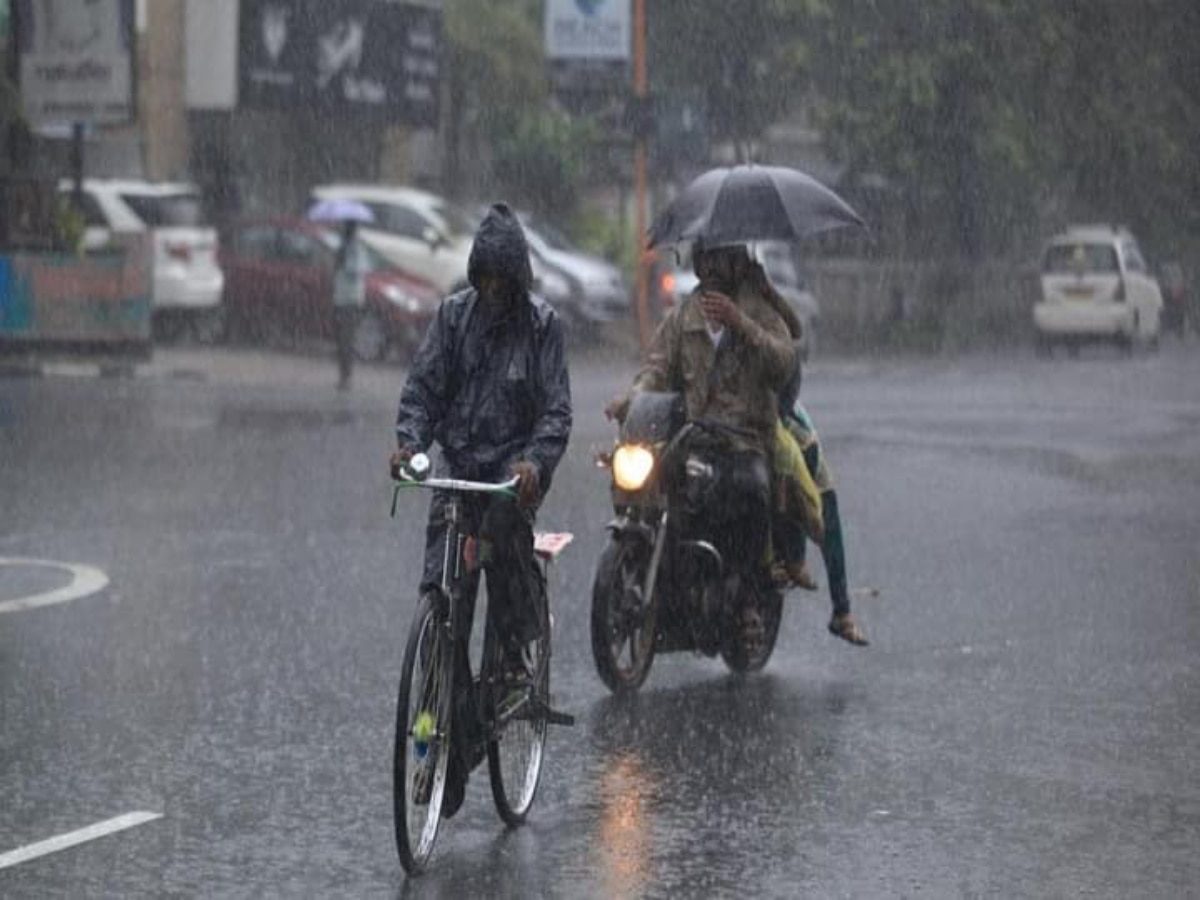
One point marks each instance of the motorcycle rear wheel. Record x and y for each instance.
(743, 655)
(623, 622)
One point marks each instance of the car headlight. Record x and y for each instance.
(400, 297)
(631, 466)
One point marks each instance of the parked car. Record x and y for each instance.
(418, 232)
(1096, 286)
(596, 290)
(279, 288)
(673, 279)
(186, 280)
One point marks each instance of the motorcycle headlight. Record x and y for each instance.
(631, 466)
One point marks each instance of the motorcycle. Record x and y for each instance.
(664, 583)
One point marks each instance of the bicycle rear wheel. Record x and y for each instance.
(515, 752)
(422, 747)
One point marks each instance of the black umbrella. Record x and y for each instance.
(745, 203)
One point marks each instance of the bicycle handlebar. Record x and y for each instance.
(409, 476)
(456, 484)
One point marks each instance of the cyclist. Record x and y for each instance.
(489, 384)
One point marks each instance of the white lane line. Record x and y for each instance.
(85, 580)
(71, 838)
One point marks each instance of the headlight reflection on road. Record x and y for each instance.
(624, 825)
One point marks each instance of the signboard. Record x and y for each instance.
(342, 55)
(587, 29)
(587, 45)
(76, 59)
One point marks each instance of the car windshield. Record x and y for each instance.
(166, 209)
(1080, 257)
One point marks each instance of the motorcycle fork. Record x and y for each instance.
(660, 542)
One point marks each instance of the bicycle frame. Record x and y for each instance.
(452, 573)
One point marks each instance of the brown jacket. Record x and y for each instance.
(750, 370)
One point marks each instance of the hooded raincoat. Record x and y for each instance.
(491, 390)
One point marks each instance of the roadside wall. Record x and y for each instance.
(922, 306)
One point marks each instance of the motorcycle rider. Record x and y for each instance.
(727, 349)
(489, 384)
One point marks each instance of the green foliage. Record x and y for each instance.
(542, 161)
(597, 231)
(991, 121)
(496, 77)
(743, 55)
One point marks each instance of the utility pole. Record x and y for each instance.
(640, 93)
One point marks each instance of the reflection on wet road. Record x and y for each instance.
(1024, 724)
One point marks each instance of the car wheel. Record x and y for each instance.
(168, 326)
(1043, 346)
(209, 326)
(370, 340)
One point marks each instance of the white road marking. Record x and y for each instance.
(85, 580)
(71, 838)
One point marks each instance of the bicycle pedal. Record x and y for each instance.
(553, 717)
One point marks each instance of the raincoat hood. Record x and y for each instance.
(500, 248)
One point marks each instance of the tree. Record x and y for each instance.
(741, 55)
(991, 120)
(496, 76)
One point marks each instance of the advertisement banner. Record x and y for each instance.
(342, 55)
(76, 60)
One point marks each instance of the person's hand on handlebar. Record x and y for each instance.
(616, 408)
(527, 482)
(398, 460)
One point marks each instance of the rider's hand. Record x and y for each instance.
(616, 408)
(398, 460)
(718, 308)
(527, 484)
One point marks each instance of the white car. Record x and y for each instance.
(187, 282)
(1096, 286)
(419, 232)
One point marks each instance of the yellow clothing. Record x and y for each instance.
(798, 492)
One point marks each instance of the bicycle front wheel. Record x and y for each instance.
(422, 748)
(516, 749)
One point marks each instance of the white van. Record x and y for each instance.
(1096, 286)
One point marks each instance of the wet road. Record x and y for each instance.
(1026, 722)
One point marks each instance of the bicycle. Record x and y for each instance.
(510, 720)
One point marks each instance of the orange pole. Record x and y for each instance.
(641, 255)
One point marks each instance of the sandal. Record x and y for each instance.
(785, 575)
(847, 629)
(801, 577)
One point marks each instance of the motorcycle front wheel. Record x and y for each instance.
(623, 619)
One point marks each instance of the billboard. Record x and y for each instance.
(75, 59)
(342, 55)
